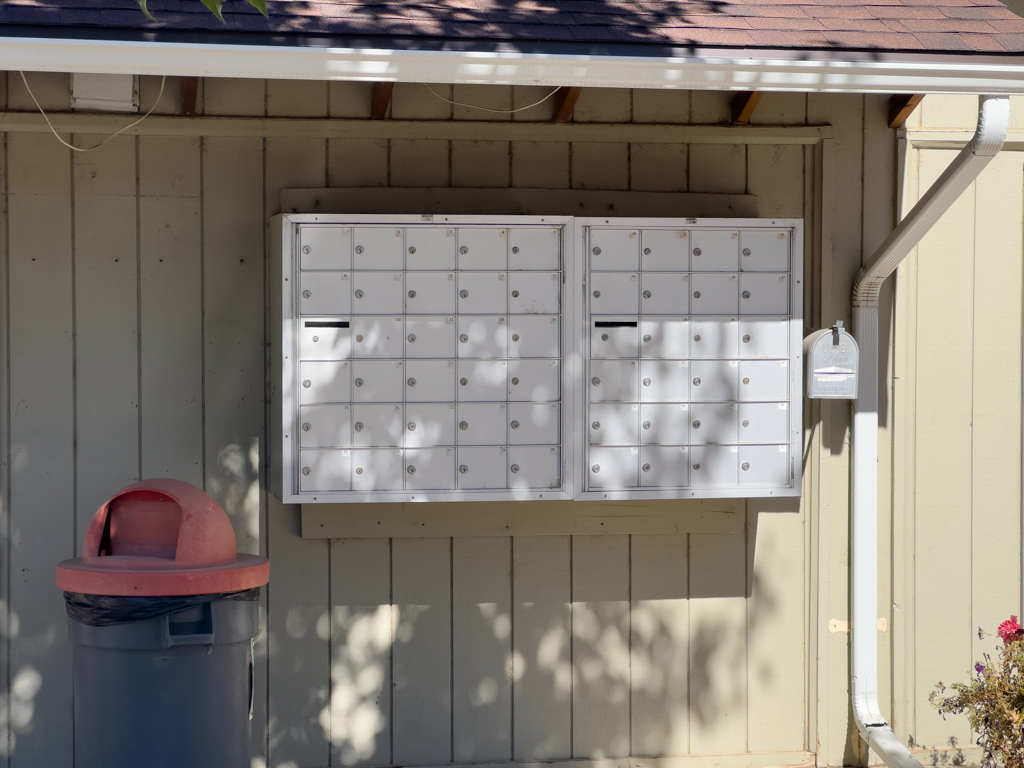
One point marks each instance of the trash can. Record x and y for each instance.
(162, 612)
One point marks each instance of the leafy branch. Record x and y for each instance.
(214, 6)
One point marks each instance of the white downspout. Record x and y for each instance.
(993, 124)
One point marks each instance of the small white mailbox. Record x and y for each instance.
(832, 359)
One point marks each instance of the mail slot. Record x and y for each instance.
(611, 338)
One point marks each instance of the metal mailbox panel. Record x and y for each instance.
(714, 250)
(430, 336)
(485, 336)
(764, 465)
(614, 467)
(377, 293)
(714, 466)
(664, 293)
(325, 293)
(377, 248)
(377, 470)
(375, 425)
(325, 426)
(325, 247)
(377, 337)
(713, 337)
(430, 469)
(713, 423)
(430, 381)
(534, 336)
(664, 466)
(534, 248)
(665, 337)
(482, 467)
(614, 338)
(534, 293)
(377, 381)
(482, 380)
(430, 248)
(534, 467)
(714, 294)
(665, 250)
(614, 250)
(664, 380)
(764, 422)
(324, 382)
(325, 470)
(324, 338)
(764, 380)
(614, 293)
(614, 424)
(764, 250)
(764, 294)
(429, 424)
(714, 380)
(430, 293)
(483, 293)
(664, 423)
(482, 424)
(614, 380)
(533, 423)
(764, 338)
(483, 248)
(535, 381)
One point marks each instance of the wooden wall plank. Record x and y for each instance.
(718, 167)
(604, 105)
(481, 649)
(775, 173)
(351, 99)
(234, 96)
(600, 650)
(523, 95)
(358, 162)
(5, 458)
(170, 101)
(496, 97)
(780, 109)
(480, 164)
(659, 651)
(413, 101)
(106, 322)
(542, 639)
(600, 166)
(297, 98)
(361, 637)
(540, 164)
(659, 105)
(420, 163)
(659, 167)
(51, 89)
(42, 526)
(422, 708)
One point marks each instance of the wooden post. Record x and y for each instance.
(900, 107)
(380, 98)
(189, 90)
(565, 103)
(743, 105)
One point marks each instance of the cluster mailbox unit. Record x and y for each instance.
(452, 358)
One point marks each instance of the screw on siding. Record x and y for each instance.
(746, 423)
(647, 382)
(463, 425)
(463, 250)
(696, 466)
(746, 338)
(515, 249)
(412, 337)
(464, 294)
(597, 294)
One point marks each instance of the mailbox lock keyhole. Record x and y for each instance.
(463, 425)
(464, 293)
(412, 294)
(515, 425)
(306, 427)
(647, 467)
(412, 382)
(306, 294)
(306, 249)
(515, 249)
(411, 470)
(515, 294)
(306, 471)
(359, 294)
(514, 468)
(307, 383)
(604, 337)
(463, 469)
(515, 380)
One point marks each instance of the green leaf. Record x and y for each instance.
(145, 10)
(215, 6)
(259, 5)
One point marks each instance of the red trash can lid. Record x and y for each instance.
(160, 538)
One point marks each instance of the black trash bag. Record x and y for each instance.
(107, 611)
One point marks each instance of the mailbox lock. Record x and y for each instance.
(464, 250)
(412, 294)
(412, 426)
(463, 469)
(647, 251)
(746, 338)
(515, 425)
(746, 380)
(412, 249)
(307, 383)
(463, 382)
(596, 381)
(464, 338)
(463, 425)
(515, 294)
(596, 425)
(647, 337)
(412, 337)
(359, 426)
(696, 294)
(306, 294)
(596, 468)
(696, 251)
(596, 251)
(746, 423)
(647, 425)
(746, 251)
(306, 249)
(411, 470)
(696, 425)
(306, 470)
(515, 337)
(316, 338)
(597, 294)
(515, 249)
(359, 294)
(697, 337)
(411, 382)
(359, 382)
(604, 337)
(696, 382)
(745, 466)
(306, 427)
(515, 380)
(746, 294)
(464, 293)
(647, 294)
(359, 337)
(696, 466)
(647, 382)
(647, 467)
(514, 468)
(359, 470)
(359, 249)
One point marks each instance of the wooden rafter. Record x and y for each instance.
(743, 105)
(900, 107)
(565, 102)
(189, 91)
(380, 98)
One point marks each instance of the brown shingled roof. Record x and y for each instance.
(964, 26)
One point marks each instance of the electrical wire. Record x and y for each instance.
(488, 109)
(163, 82)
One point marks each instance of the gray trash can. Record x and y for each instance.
(163, 618)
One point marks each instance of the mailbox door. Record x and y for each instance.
(614, 467)
(481, 380)
(325, 426)
(614, 380)
(430, 469)
(325, 382)
(324, 338)
(429, 424)
(664, 466)
(665, 338)
(377, 469)
(713, 337)
(430, 293)
(432, 336)
(429, 381)
(714, 294)
(483, 248)
(664, 293)
(377, 337)
(534, 293)
(482, 467)
(764, 338)
(377, 381)
(377, 248)
(614, 293)
(764, 380)
(483, 293)
(764, 250)
(534, 336)
(534, 248)
(714, 250)
(533, 380)
(377, 293)
(713, 466)
(325, 470)
(533, 423)
(764, 422)
(482, 424)
(534, 467)
(615, 250)
(713, 423)
(375, 425)
(614, 424)
(665, 250)
(764, 294)
(714, 380)
(764, 465)
(482, 336)
(325, 293)
(664, 424)
(323, 247)
(664, 380)
(614, 338)
(430, 248)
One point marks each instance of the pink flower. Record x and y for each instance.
(1010, 630)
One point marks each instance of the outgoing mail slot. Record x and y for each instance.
(430, 336)
(534, 293)
(713, 337)
(714, 250)
(325, 470)
(764, 250)
(713, 466)
(481, 423)
(481, 467)
(533, 380)
(377, 425)
(377, 248)
(377, 293)
(663, 466)
(614, 380)
(612, 338)
(483, 293)
(325, 426)
(762, 465)
(430, 293)
(377, 470)
(764, 380)
(713, 423)
(481, 380)
(429, 424)
(533, 423)
(832, 359)
(429, 381)
(325, 293)
(534, 248)
(764, 294)
(324, 338)
(613, 467)
(377, 381)
(324, 382)
(533, 336)
(665, 250)
(430, 248)
(325, 247)
(614, 424)
(665, 337)
(534, 467)
(614, 293)
(614, 250)
(764, 422)
(714, 380)
(764, 338)
(482, 336)
(664, 381)
(377, 337)
(714, 294)
(430, 469)
(665, 293)
(483, 248)
(664, 424)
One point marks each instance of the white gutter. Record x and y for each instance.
(709, 69)
(993, 124)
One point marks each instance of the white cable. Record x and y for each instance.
(163, 82)
(488, 109)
